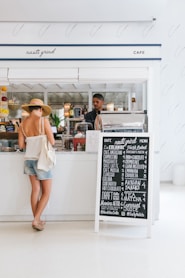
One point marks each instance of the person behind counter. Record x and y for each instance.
(98, 101)
(31, 132)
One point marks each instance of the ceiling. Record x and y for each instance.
(65, 87)
(58, 94)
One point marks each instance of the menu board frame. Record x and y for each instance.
(123, 139)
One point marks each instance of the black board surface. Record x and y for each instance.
(124, 176)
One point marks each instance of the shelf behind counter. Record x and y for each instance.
(8, 135)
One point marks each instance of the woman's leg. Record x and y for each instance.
(46, 190)
(36, 187)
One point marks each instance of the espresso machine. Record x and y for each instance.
(117, 121)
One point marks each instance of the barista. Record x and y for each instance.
(98, 101)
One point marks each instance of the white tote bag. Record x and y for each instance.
(47, 157)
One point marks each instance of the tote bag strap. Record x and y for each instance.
(41, 126)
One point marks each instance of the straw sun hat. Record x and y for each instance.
(46, 110)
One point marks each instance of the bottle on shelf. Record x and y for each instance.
(71, 112)
(133, 102)
(84, 110)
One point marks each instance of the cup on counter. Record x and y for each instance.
(16, 148)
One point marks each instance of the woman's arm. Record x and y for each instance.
(21, 138)
(48, 131)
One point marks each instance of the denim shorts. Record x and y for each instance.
(30, 168)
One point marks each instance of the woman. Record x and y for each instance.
(31, 132)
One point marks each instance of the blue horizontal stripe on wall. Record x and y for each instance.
(80, 59)
(71, 45)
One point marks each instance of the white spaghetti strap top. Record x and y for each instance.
(34, 143)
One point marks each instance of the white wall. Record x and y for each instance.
(168, 29)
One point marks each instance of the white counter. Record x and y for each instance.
(73, 193)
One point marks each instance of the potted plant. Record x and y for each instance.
(55, 120)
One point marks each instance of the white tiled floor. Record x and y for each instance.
(72, 249)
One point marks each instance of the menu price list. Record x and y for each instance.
(124, 177)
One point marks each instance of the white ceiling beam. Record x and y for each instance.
(59, 86)
(43, 86)
(30, 87)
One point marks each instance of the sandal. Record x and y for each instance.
(38, 226)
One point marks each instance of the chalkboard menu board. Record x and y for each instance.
(124, 176)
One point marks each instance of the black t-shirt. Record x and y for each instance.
(91, 116)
